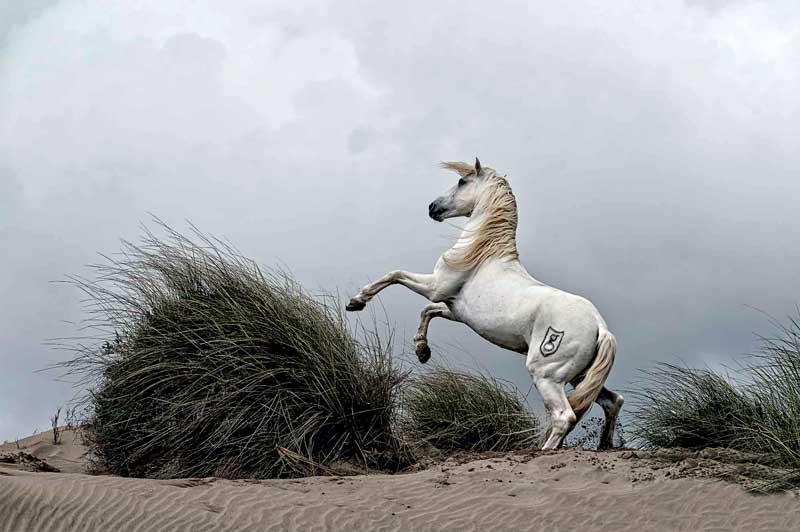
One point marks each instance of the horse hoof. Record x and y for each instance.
(423, 353)
(355, 305)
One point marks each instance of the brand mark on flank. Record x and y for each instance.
(551, 341)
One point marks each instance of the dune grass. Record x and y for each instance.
(455, 411)
(776, 393)
(679, 406)
(210, 366)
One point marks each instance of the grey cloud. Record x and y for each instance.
(652, 150)
(16, 14)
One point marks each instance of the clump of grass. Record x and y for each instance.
(206, 365)
(454, 411)
(695, 408)
(686, 407)
(776, 392)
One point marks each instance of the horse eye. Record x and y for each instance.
(462, 182)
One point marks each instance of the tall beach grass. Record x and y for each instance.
(203, 364)
(759, 412)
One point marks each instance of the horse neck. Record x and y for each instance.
(469, 231)
(486, 234)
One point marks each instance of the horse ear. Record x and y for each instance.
(477, 167)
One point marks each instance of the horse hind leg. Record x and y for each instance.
(611, 402)
(562, 417)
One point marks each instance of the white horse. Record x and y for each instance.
(481, 282)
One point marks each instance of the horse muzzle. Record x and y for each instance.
(435, 211)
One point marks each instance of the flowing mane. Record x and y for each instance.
(496, 234)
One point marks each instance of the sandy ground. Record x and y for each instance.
(555, 491)
(69, 456)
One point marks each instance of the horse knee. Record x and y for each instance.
(394, 276)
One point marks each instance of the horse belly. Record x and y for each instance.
(500, 322)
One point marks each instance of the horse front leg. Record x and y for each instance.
(421, 283)
(434, 310)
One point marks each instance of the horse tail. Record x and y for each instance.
(587, 390)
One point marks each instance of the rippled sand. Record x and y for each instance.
(563, 490)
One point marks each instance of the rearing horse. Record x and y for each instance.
(481, 282)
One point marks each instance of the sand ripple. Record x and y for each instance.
(562, 491)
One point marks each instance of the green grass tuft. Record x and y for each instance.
(695, 408)
(210, 366)
(452, 411)
(686, 407)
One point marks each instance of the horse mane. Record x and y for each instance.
(496, 236)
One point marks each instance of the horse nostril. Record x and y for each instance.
(435, 211)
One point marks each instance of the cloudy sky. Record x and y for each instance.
(654, 151)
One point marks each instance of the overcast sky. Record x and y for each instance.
(654, 151)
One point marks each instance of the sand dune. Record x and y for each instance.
(564, 490)
(69, 456)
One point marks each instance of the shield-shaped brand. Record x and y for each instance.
(551, 341)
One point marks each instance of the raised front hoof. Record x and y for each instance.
(423, 353)
(355, 305)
